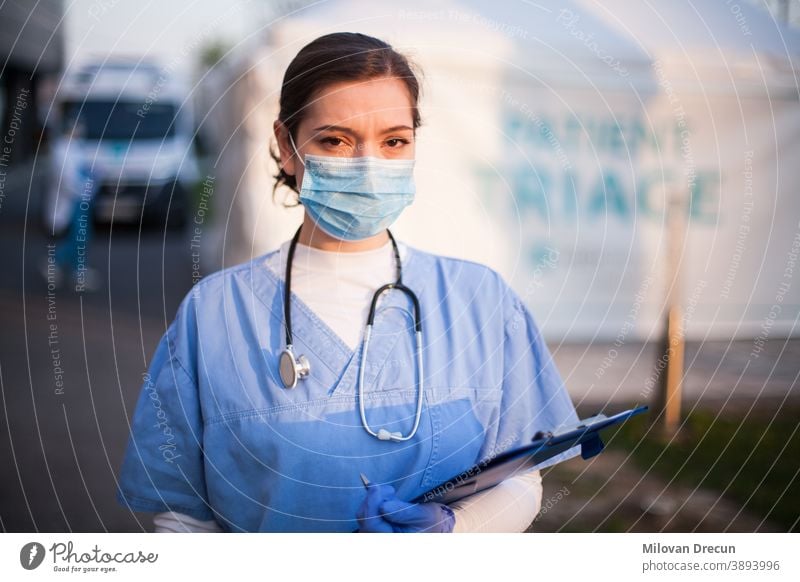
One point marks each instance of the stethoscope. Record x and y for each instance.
(293, 368)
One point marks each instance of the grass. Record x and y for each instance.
(196, 194)
(729, 451)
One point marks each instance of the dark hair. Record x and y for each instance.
(332, 58)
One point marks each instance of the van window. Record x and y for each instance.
(123, 120)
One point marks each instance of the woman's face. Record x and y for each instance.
(352, 119)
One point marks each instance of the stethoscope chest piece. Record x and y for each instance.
(291, 369)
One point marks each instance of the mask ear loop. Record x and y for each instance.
(294, 147)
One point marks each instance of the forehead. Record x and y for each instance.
(382, 102)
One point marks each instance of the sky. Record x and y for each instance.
(169, 30)
(174, 30)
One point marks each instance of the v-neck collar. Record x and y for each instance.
(327, 347)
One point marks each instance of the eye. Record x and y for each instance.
(334, 141)
(396, 142)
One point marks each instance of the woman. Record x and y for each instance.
(263, 405)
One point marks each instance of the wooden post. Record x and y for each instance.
(671, 354)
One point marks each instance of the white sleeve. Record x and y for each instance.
(508, 507)
(171, 522)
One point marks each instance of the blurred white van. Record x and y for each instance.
(136, 133)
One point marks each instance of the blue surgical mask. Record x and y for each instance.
(355, 198)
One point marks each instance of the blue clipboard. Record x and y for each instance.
(492, 471)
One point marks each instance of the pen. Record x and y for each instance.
(366, 483)
(364, 480)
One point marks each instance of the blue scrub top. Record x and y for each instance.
(216, 436)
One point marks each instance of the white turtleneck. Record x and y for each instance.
(338, 287)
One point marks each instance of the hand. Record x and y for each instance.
(369, 515)
(382, 511)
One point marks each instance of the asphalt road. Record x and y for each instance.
(70, 371)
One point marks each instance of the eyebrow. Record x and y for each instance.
(350, 131)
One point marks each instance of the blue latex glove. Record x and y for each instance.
(369, 515)
(382, 511)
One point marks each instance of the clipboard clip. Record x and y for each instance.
(585, 423)
(590, 447)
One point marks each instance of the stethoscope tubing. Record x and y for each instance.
(382, 434)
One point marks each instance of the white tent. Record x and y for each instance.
(554, 134)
